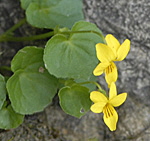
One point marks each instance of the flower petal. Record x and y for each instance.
(100, 68)
(111, 120)
(112, 91)
(98, 107)
(111, 73)
(104, 53)
(96, 96)
(123, 50)
(112, 42)
(118, 100)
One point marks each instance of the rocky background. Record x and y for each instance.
(122, 18)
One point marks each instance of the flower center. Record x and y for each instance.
(109, 69)
(108, 110)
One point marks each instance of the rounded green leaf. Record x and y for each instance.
(31, 92)
(75, 56)
(2, 91)
(52, 13)
(75, 100)
(9, 118)
(31, 88)
(28, 58)
(25, 3)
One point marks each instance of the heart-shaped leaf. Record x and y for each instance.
(31, 88)
(52, 13)
(28, 58)
(26, 3)
(31, 92)
(73, 56)
(2, 91)
(75, 100)
(9, 118)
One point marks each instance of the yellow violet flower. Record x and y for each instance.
(109, 53)
(106, 105)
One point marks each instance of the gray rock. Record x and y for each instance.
(128, 19)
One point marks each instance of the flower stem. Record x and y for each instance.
(95, 83)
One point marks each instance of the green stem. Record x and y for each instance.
(86, 31)
(30, 38)
(7, 36)
(5, 68)
(14, 27)
(93, 82)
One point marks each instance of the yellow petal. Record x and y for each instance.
(100, 68)
(110, 117)
(112, 42)
(98, 107)
(112, 91)
(104, 53)
(111, 73)
(123, 50)
(118, 100)
(96, 96)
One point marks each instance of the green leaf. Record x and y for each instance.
(52, 13)
(28, 58)
(2, 91)
(25, 3)
(9, 118)
(75, 56)
(75, 100)
(31, 92)
(31, 88)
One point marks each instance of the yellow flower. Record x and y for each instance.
(109, 53)
(106, 105)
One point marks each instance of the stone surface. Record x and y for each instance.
(128, 19)
(124, 19)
